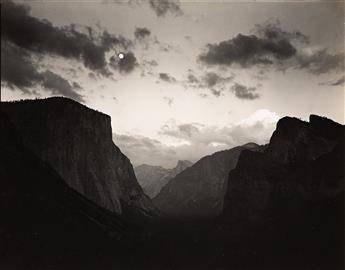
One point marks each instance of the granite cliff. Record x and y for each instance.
(303, 165)
(77, 143)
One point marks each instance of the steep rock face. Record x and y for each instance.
(154, 178)
(303, 166)
(199, 190)
(40, 213)
(77, 142)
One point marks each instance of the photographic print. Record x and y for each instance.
(172, 135)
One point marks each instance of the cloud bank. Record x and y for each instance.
(194, 140)
(271, 46)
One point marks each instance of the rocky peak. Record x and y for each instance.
(180, 166)
(77, 142)
(297, 140)
(303, 164)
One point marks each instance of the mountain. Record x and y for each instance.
(77, 143)
(303, 162)
(43, 220)
(290, 197)
(154, 178)
(198, 191)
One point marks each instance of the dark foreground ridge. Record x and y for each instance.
(283, 209)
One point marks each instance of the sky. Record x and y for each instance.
(197, 76)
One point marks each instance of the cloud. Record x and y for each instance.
(166, 78)
(320, 61)
(258, 128)
(192, 79)
(17, 68)
(193, 141)
(247, 51)
(152, 63)
(109, 41)
(271, 30)
(169, 100)
(61, 86)
(76, 86)
(181, 131)
(164, 7)
(124, 65)
(216, 93)
(141, 33)
(40, 36)
(271, 46)
(211, 81)
(19, 72)
(143, 150)
(337, 82)
(147, 67)
(243, 92)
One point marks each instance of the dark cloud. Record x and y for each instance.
(92, 76)
(270, 46)
(243, 92)
(124, 65)
(40, 36)
(167, 78)
(247, 51)
(17, 69)
(164, 7)
(60, 86)
(192, 79)
(320, 61)
(128, 63)
(271, 30)
(212, 79)
(142, 33)
(109, 41)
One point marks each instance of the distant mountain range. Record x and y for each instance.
(198, 191)
(154, 178)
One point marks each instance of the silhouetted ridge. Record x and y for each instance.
(288, 164)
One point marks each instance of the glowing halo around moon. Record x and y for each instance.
(121, 55)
